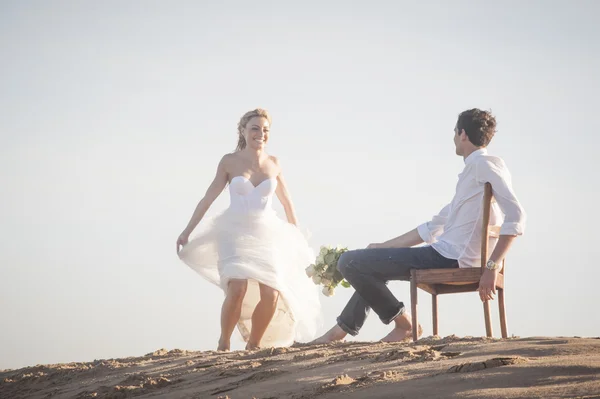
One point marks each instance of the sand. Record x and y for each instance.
(450, 367)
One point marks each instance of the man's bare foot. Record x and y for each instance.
(250, 346)
(334, 334)
(399, 334)
(223, 345)
(402, 329)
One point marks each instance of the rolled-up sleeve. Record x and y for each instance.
(494, 171)
(429, 231)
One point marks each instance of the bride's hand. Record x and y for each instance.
(375, 245)
(182, 240)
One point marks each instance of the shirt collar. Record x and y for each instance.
(474, 155)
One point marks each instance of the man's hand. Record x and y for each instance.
(487, 284)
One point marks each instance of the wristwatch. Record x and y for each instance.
(492, 265)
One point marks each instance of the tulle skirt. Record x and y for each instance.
(263, 249)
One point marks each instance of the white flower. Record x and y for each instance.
(330, 258)
(339, 248)
(316, 279)
(320, 259)
(323, 251)
(325, 281)
(328, 291)
(310, 270)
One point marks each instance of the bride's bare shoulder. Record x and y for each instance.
(230, 157)
(228, 161)
(275, 161)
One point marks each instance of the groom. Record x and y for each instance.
(453, 238)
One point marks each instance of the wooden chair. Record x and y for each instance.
(451, 281)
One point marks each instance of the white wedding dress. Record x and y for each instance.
(249, 241)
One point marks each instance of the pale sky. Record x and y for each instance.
(114, 116)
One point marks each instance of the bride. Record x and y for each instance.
(254, 256)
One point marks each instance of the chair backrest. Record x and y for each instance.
(485, 225)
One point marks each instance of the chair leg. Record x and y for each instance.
(413, 302)
(434, 313)
(488, 319)
(502, 313)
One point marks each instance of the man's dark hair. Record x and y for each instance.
(479, 126)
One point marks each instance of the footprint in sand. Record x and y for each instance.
(488, 364)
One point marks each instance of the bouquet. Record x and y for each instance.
(324, 271)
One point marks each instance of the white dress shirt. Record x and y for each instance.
(456, 231)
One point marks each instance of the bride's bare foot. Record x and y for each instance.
(402, 329)
(223, 345)
(334, 334)
(250, 346)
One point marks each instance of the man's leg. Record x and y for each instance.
(368, 270)
(350, 321)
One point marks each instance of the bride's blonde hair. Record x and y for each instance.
(244, 121)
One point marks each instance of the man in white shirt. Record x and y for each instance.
(452, 237)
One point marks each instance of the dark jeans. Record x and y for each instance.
(369, 270)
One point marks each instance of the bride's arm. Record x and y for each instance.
(216, 187)
(285, 199)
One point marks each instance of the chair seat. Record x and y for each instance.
(448, 281)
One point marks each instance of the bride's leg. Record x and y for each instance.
(263, 313)
(231, 311)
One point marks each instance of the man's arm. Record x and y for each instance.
(487, 283)
(406, 240)
(496, 173)
(426, 232)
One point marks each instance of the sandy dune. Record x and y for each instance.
(450, 367)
